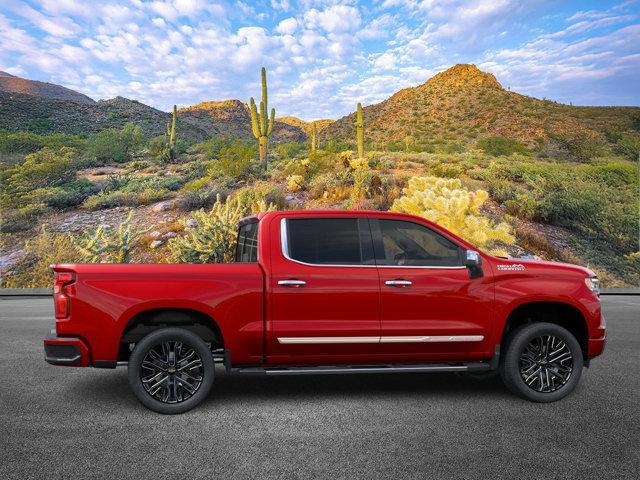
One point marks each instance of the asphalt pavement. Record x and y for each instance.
(75, 423)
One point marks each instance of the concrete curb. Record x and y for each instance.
(46, 292)
(25, 292)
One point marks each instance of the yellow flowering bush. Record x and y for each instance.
(445, 202)
(295, 182)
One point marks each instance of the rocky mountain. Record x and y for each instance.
(232, 117)
(464, 103)
(55, 109)
(16, 85)
(19, 111)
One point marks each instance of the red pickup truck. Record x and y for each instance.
(324, 292)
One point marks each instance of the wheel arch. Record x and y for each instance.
(559, 313)
(149, 320)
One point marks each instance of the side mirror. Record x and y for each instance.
(473, 262)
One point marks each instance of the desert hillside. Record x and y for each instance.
(463, 104)
(11, 84)
(306, 126)
(44, 108)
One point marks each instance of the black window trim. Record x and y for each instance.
(375, 235)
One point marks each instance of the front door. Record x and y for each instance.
(431, 310)
(324, 291)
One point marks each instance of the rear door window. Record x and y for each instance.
(329, 241)
(247, 247)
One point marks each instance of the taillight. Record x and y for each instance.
(60, 298)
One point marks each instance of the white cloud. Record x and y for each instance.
(322, 56)
(56, 26)
(15, 70)
(287, 26)
(280, 5)
(335, 19)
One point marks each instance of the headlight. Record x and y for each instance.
(593, 284)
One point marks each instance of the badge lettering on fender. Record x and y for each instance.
(514, 267)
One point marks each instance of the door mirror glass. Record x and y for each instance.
(473, 261)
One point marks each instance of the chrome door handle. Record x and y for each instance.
(292, 283)
(398, 283)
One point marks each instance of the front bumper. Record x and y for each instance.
(596, 344)
(66, 351)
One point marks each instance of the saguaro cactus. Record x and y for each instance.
(314, 138)
(360, 132)
(260, 124)
(171, 136)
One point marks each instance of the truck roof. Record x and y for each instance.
(336, 213)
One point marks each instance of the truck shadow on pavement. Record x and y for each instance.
(113, 388)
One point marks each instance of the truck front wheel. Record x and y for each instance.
(542, 363)
(171, 370)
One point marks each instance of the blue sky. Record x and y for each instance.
(322, 56)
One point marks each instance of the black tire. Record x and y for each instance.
(542, 362)
(185, 377)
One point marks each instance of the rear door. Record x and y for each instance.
(431, 308)
(324, 299)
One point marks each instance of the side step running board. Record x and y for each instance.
(338, 370)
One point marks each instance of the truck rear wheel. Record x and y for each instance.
(171, 370)
(542, 363)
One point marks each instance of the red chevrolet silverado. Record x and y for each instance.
(329, 292)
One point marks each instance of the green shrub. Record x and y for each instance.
(211, 148)
(125, 198)
(40, 125)
(157, 145)
(582, 146)
(498, 146)
(189, 200)
(116, 145)
(43, 169)
(110, 200)
(523, 206)
(629, 146)
(27, 142)
(23, 218)
(43, 250)
(260, 191)
(289, 150)
(447, 170)
(233, 160)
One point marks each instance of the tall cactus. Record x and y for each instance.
(171, 136)
(260, 124)
(314, 141)
(360, 132)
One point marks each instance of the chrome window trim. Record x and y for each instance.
(381, 339)
(284, 245)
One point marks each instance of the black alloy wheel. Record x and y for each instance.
(171, 370)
